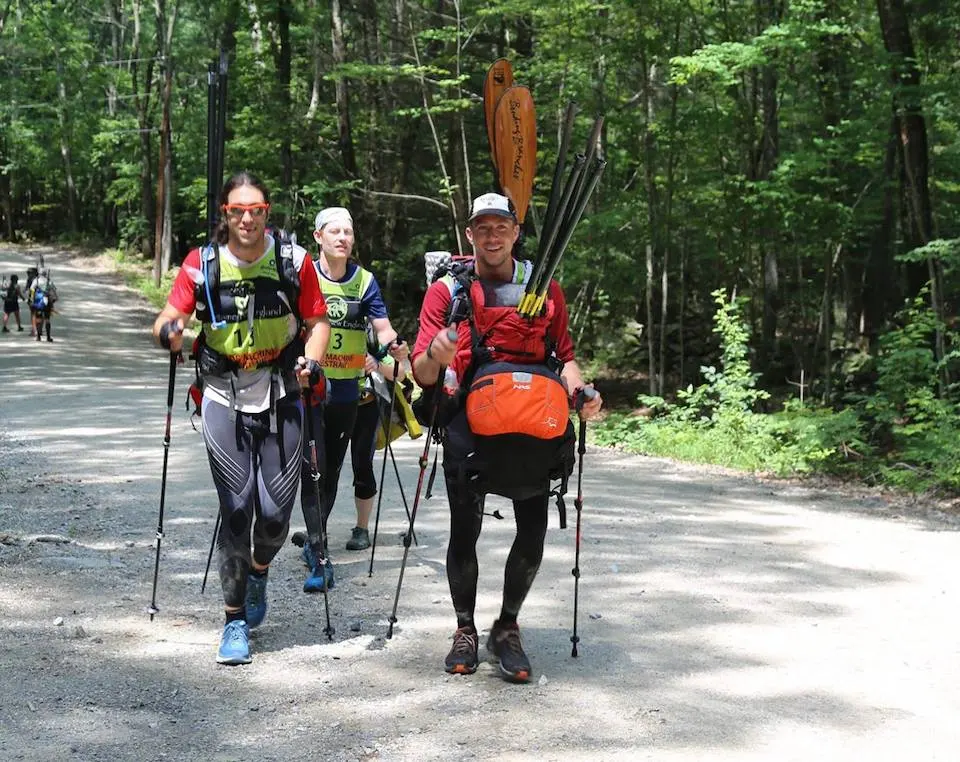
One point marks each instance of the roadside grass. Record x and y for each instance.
(138, 274)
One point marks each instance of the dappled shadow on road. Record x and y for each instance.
(662, 583)
(706, 604)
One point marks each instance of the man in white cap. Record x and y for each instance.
(494, 333)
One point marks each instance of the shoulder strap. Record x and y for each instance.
(209, 288)
(287, 268)
(461, 308)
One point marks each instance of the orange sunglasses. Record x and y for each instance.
(236, 211)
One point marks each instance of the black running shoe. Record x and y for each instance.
(504, 641)
(359, 539)
(463, 659)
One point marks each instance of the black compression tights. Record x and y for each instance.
(256, 474)
(523, 562)
(362, 450)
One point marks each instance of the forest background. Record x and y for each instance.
(771, 256)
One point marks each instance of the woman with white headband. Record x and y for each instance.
(353, 297)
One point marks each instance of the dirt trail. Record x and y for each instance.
(721, 618)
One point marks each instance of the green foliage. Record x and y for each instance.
(737, 136)
(903, 433)
(716, 422)
(918, 427)
(945, 251)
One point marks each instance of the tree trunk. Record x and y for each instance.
(141, 101)
(682, 308)
(769, 150)
(113, 11)
(912, 131)
(4, 14)
(315, 51)
(879, 268)
(163, 239)
(427, 107)
(344, 128)
(66, 154)
(653, 223)
(6, 205)
(826, 324)
(284, 72)
(651, 347)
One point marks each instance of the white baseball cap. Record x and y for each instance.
(492, 203)
(328, 215)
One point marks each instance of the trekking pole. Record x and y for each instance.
(424, 459)
(385, 427)
(213, 542)
(387, 452)
(221, 116)
(213, 180)
(216, 119)
(315, 478)
(174, 358)
(585, 394)
(403, 497)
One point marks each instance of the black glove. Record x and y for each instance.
(317, 382)
(580, 396)
(168, 328)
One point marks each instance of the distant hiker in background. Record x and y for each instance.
(12, 297)
(43, 296)
(32, 273)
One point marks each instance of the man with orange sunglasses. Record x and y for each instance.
(252, 364)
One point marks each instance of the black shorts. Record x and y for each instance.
(11, 307)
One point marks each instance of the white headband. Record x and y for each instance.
(326, 216)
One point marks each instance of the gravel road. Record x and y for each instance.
(722, 618)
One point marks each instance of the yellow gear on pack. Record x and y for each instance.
(409, 425)
(347, 349)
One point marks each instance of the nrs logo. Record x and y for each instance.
(522, 387)
(336, 308)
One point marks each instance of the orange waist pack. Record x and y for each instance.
(507, 398)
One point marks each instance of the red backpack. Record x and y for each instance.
(516, 404)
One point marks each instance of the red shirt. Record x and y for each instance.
(310, 303)
(433, 319)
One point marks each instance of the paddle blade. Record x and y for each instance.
(516, 140)
(499, 78)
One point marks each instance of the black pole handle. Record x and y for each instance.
(582, 395)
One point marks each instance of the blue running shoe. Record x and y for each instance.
(235, 644)
(307, 555)
(256, 602)
(320, 578)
